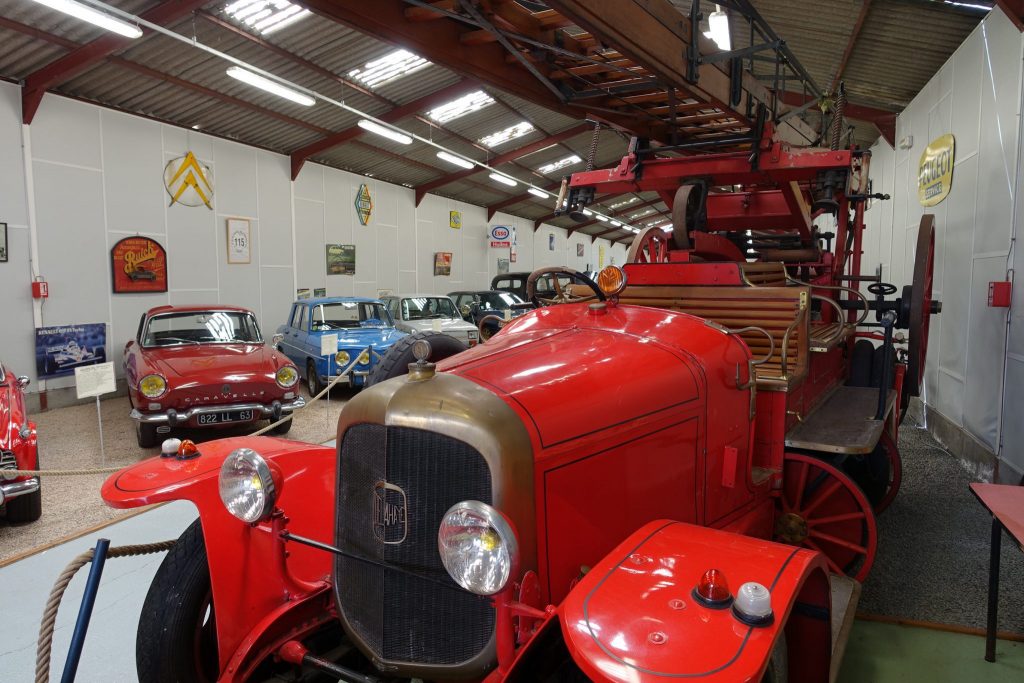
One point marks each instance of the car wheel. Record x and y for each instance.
(177, 636)
(27, 508)
(395, 361)
(313, 379)
(146, 435)
(283, 427)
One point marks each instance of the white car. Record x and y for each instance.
(430, 312)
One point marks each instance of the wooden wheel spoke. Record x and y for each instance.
(859, 549)
(821, 497)
(835, 519)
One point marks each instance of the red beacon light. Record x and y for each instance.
(713, 590)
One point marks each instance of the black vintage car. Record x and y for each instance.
(516, 283)
(476, 305)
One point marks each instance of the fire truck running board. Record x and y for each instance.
(843, 423)
(845, 596)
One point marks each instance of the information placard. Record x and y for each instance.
(328, 344)
(94, 380)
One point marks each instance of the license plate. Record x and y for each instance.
(226, 416)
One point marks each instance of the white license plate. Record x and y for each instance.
(226, 416)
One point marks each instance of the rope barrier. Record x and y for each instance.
(45, 643)
(258, 432)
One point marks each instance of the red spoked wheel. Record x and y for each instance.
(823, 509)
(895, 472)
(920, 307)
(649, 246)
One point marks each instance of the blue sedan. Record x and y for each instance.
(364, 329)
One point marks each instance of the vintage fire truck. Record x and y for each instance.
(655, 481)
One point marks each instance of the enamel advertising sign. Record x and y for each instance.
(935, 172)
(138, 264)
(364, 204)
(501, 236)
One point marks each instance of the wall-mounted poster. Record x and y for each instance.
(443, 263)
(3, 243)
(600, 257)
(319, 292)
(551, 241)
(239, 235)
(579, 249)
(302, 293)
(502, 266)
(455, 220)
(189, 182)
(138, 264)
(62, 348)
(341, 259)
(935, 170)
(364, 204)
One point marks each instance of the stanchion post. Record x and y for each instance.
(99, 417)
(92, 585)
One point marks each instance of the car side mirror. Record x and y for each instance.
(23, 381)
(276, 339)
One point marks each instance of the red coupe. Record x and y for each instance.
(205, 366)
(20, 497)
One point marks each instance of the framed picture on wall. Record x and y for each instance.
(239, 240)
(443, 263)
(551, 241)
(302, 293)
(579, 249)
(455, 220)
(3, 243)
(319, 292)
(341, 259)
(138, 264)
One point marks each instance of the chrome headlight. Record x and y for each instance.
(342, 358)
(287, 376)
(477, 547)
(364, 358)
(246, 485)
(152, 386)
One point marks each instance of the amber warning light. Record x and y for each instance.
(611, 280)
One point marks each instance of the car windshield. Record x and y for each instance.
(345, 314)
(428, 307)
(202, 327)
(498, 301)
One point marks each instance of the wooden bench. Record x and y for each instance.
(781, 311)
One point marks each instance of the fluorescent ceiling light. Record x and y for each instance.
(603, 219)
(503, 179)
(265, 16)
(452, 159)
(383, 131)
(270, 86)
(625, 202)
(588, 212)
(80, 11)
(560, 164)
(718, 23)
(617, 224)
(388, 68)
(511, 133)
(474, 101)
(537, 193)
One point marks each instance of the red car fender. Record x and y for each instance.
(634, 618)
(264, 590)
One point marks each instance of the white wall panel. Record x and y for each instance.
(985, 354)
(277, 294)
(310, 253)
(13, 206)
(17, 337)
(274, 208)
(235, 179)
(67, 131)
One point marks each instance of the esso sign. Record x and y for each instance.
(500, 233)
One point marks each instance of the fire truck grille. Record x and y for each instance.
(394, 485)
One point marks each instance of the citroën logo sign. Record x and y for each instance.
(188, 182)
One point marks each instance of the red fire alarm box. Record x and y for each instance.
(999, 294)
(40, 289)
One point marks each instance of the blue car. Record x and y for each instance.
(365, 331)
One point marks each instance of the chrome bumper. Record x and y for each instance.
(348, 378)
(13, 489)
(174, 417)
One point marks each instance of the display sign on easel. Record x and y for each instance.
(94, 381)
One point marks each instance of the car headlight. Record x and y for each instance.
(477, 547)
(152, 386)
(246, 485)
(342, 357)
(471, 334)
(287, 376)
(364, 358)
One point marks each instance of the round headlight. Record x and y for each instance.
(287, 376)
(477, 547)
(152, 386)
(246, 485)
(364, 358)
(342, 357)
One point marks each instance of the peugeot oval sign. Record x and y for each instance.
(501, 236)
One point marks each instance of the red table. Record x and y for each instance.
(1006, 503)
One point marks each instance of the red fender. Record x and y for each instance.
(633, 616)
(263, 592)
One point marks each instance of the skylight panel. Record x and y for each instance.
(467, 104)
(559, 165)
(265, 16)
(390, 67)
(626, 202)
(511, 133)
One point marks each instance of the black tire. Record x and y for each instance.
(146, 434)
(395, 362)
(778, 666)
(177, 637)
(313, 379)
(870, 472)
(27, 508)
(283, 428)
(860, 364)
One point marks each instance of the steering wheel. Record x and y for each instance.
(561, 296)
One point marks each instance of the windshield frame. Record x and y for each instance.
(179, 314)
(380, 306)
(403, 307)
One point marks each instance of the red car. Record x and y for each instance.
(19, 496)
(205, 366)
